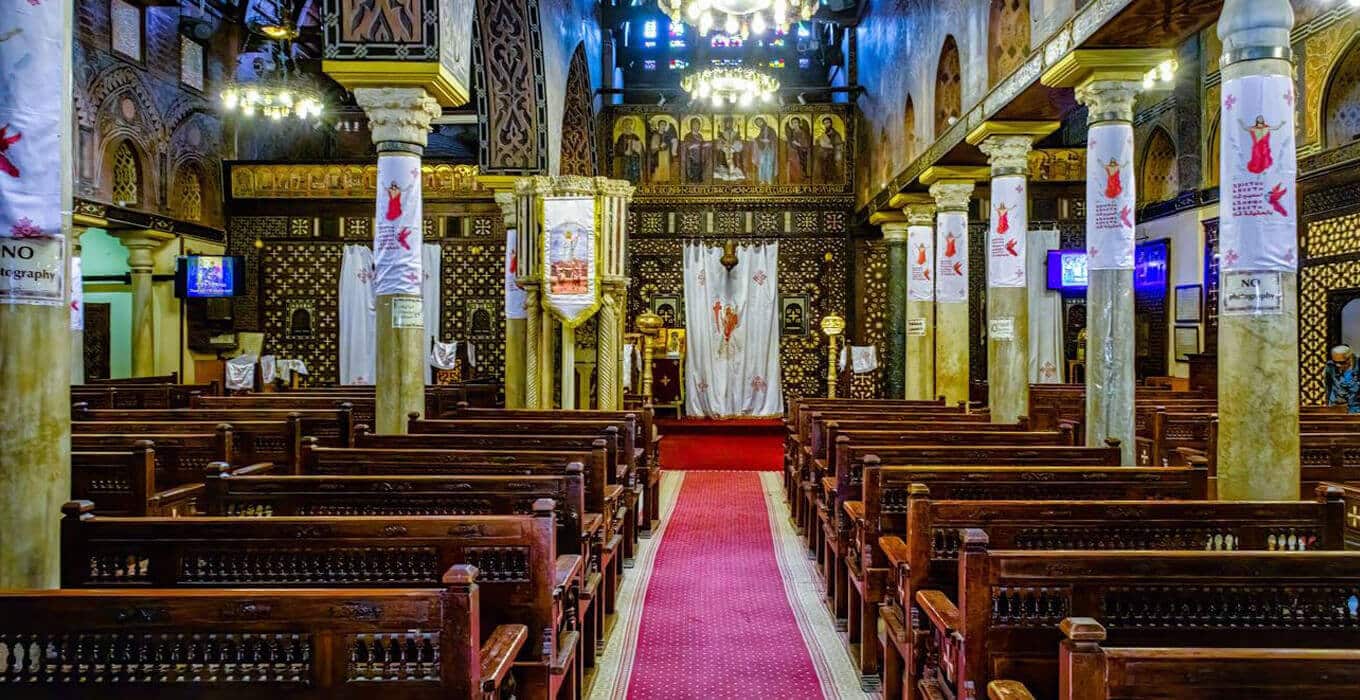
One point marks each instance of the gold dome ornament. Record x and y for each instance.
(729, 256)
(833, 325)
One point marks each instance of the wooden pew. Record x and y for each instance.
(181, 458)
(333, 427)
(151, 394)
(1099, 672)
(124, 481)
(1003, 621)
(919, 547)
(279, 442)
(363, 407)
(1350, 496)
(220, 644)
(522, 580)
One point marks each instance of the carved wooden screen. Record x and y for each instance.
(948, 86)
(578, 148)
(190, 194)
(1330, 247)
(1160, 181)
(126, 175)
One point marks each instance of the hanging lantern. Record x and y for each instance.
(729, 256)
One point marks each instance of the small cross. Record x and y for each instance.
(665, 381)
(1353, 517)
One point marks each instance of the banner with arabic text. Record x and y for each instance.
(1109, 197)
(921, 250)
(951, 257)
(1006, 235)
(1259, 169)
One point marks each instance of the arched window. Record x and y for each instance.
(1008, 38)
(127, 175)
(1341, 111)
(948, 87)
(1160, 180)
(909, 129)
(189, 190)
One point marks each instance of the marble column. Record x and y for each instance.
(895, 236)
(1110, 207)
(952, 345)
(514, 319)
(533, 388)
(1258, 353)
(1007, 146)
(920, 343)
(141, 247)
(609, 348)
(399, 119)
(35, 424)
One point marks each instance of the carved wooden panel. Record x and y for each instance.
(1159, 180)
(578, 132)
(1007, 38)
(507, 51)
(310, 272)
(948, 86)
(472, 304)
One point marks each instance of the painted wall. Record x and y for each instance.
(1186, 233)
(565, 24)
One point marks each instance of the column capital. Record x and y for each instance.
(1255, 29)
(952, 195)
(954, 173)
(1008, 155)
(921, 214)
(895, 231)
(1108, 100)
(1085, 65)
(400, 115)
(141, 247)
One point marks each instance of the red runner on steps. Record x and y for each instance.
(716, 622)
(742, 444)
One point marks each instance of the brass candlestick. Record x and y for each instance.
(833, 326)
(649, 325)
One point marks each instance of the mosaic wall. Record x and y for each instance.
(870, 279)
(307, 276)
(813, 254)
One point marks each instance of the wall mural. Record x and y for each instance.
(803, 151)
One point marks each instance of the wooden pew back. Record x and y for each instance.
(333, 427)
(363, 407)
(181, 458)
(279, 442)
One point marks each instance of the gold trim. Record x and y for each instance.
(891, 216)
(1084, 65)
(906, 199)
(505, 183)
(955, 173)
(432, 75)
(88, 221)
(1035, 130)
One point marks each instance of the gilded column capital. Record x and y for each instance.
(1008, 154)
(952, 195)
(398, 115)
(920, 214)
(895, 231)
(1108, 100)
(614, 188)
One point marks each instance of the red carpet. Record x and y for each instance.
(728, 445)
(716, 622)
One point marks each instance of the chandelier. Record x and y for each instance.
(274, 98)
(279, 88)
(739, 86)
(739, 17)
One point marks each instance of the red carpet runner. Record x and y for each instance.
(716, 622)
(728, 445)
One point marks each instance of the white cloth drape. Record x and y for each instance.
(732, 332)
(429, 289)
(240, 372)
(358, 317)
(1045, 312)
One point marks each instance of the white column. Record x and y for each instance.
(399, 119)
(1258, 353)
(920, 369)
(952, 346)
(1007, 292)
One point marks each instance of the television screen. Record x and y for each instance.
(208, 276)
(1067, 270)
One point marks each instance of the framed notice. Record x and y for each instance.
(1185, 341)
(1189, 306)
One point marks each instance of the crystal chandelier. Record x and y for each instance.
(279, 89)
(738, 86)
(739, 17)
(274, 98)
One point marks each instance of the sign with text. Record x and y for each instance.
(1001, 329)
(1252, 294)
(408, 312)
(32, 271)
(916, 326)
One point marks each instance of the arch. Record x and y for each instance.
(909, 139)
(1159, 179)
(1008, 38)
(188, 203)
(948, 86)
(577, 155)
(1341, 99)
(125, 175)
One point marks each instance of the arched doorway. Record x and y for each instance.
(1341, 105)
(1160, 179)
(948, 87)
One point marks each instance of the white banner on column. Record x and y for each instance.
(1259, 170)
(922, 260)
(397, 233)
(514, 294)
(1006, 235)
(1109, 197)
(951, 269)
(570, 269)
(77, 295)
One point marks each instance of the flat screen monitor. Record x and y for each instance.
(1067, 270)
(208, 276)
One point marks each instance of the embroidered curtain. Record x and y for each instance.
(358, 317)
(732, 332)
(429, 289)
(1045, 312)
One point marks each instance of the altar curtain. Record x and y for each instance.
(358, 317)
(1045, 312)
(732, 332)
(429, 289)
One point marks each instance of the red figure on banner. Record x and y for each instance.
(1276, 194)
(514, 262)
(926, 274)
(393, 202)
(920, 254)
(1261, 158)
(1003, 219)
(1113, 186)
(1010, 248)
(950, 245)
(6, 141)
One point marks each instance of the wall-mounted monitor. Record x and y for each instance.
(1067, 270)
(209, 276)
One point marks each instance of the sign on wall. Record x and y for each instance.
(570, 258)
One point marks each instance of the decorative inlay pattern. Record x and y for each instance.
(310, 272)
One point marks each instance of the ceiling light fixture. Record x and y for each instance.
(741, 18)
(733, 86)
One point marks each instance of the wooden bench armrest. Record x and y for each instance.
(612, 492)
(591, 522)
(253, 469)
(158, 502)
(568, 644)
(819, 464)
(828, 487)
(895, 549)
(1008, 690)
(855, 510)
(568, 569)
(499, 652)
(940, 609)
